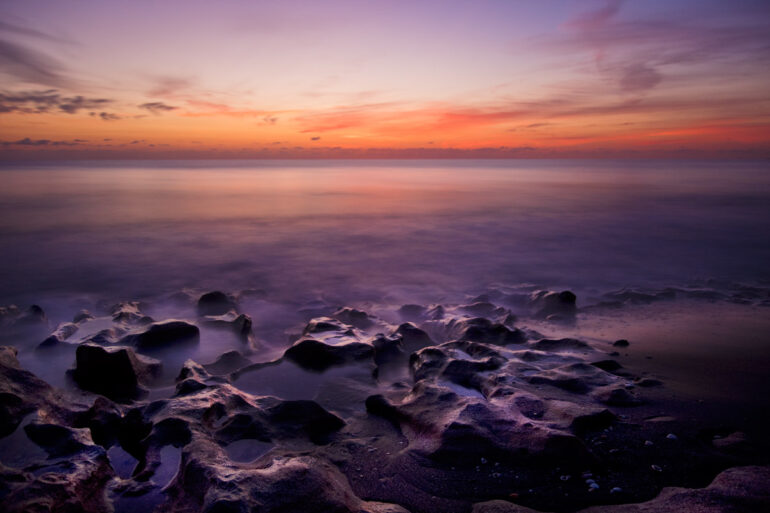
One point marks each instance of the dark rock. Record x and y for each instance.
(621, 343)
(548, 303)
(165, 334)
(116, 372)
(412, 337)
(304, 417)
(618, 397)
(387, 349)
(57, 440)
(562, 344)
(323, 325)
(315, 355)
(353, 317)
(485, 331)
(241, 324)
(482, 309)
(83, 315)
(227, 363)
(607, 365)
(215, 303)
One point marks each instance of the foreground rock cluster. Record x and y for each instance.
(419, 408)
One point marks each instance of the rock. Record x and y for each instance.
(313, 354)
(325, 324)
(33, 315)
(412, 337)
(621, 343)
(129, 312)
(411, 312)
(116, 372)
(353, 317)
(165, 334)
(215, 303)
(63, 332)
(483, 330)
(561, 305)
(227, 362)
(618, 396)
(482, 309)
(241, 324)
(562, 344)
(83, 315)
(306, 418)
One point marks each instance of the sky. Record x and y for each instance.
(108, 79)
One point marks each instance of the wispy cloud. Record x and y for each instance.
(45, 101)
(157, 108)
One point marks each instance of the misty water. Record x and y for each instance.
(413, 231)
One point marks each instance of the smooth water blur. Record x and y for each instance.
(360, 230)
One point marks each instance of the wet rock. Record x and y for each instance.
(240, 324)
(116, 372)
(324, 325)
(129, 312)
(215, 303)
(482, 309)
(483, 330)
(83, 315)
(558, 345)
(305, 418)
(34, 315)
(58, 441)
(165, 334)
(560, 305)
(617, 396)
(315, 355)
(607, 365)
(227, 363)
(353, 317)
(387, 349)
(62, 333)
(412, 337)
(621, 343)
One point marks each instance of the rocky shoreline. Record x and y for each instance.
(419, 408)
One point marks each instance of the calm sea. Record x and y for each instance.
(410, 231)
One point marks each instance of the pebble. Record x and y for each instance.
(586, 475)
(648, 443)
(565, 477)
(671, 436)
(656, 468)
(616, 489)
(483, 461)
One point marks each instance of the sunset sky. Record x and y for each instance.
(482, 78)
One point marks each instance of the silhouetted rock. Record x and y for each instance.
(116, 372)
(483, 330)
(316, 355)
(621, 343)
(553, 305)
(165, 334)
(215, 303)
(353, 317)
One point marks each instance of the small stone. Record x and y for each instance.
(671, 436)
(648, 443)
(483, 461)
(593, 486)
(565, 477)
(656, 468)
(616, 489)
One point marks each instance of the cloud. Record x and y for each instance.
(30, 66)
(157, 108)
(29, 32)
(639, 77)
(316, 138)
(106, 116)
(38, 102)
(269, 120)
(597, 18)
(169, 86)
(43, 142)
